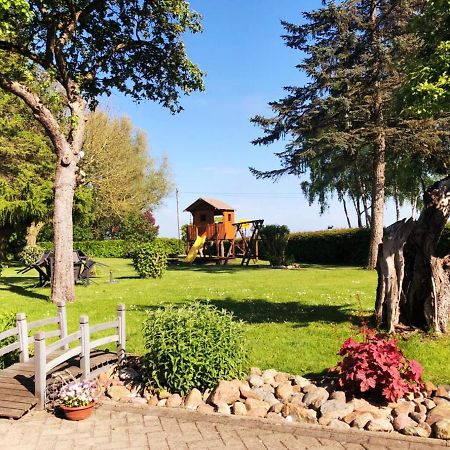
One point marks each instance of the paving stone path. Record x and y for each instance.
(114, 426)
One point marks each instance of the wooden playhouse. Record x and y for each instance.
(215, 222)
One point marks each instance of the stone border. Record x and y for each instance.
(318, 431)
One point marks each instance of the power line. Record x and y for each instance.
(249, 194)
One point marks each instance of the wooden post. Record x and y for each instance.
(22, 327)
(62, 322)
(85, 363)
(121, 331)
(40, 374)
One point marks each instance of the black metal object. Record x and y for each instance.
(82, 267)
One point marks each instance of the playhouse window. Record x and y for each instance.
(229, 217)
(203, 217)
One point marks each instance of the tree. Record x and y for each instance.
(126, 184)
(346, 110)
(26, 172)
(426, 91)
(92, 47)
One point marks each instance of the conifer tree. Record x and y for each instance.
(346, 109)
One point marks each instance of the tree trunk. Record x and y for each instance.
(390, 268)
(424, 298)
(5, 233)
(63, 281)
(65, 183)
(426, 286)
(376, 228)
(32, 233)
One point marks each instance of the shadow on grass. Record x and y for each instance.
(262, 311)
(15, 285)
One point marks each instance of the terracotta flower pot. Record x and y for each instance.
(77, 412)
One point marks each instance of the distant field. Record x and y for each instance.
(296, 319)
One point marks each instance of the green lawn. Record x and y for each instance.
(296, 319)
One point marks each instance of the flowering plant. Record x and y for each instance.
(76, 393)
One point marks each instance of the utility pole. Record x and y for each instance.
(178, 213)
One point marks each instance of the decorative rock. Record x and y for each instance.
(281, 377)
(338, 424)
(441, 391)
(297, 399)
(379, 425)
(226, 392)
(256, 381)
(362, 420)
(152, 401)
(270, 399)
(336, 409)
(316, 398)
(162, 394)
(403, 421)
(269, 376)
(422, 430)
(421, 409)
(403, 408)
(441, 429)
(249, 393)
(128, 374)
(162, 402)
(116, 393)
(309, 388)
(174, 401)
(301, 414)
(239, 409)
(442, 401)
(430, 387)
(418, 417)
(255, 371)
(268, 388)
(300, 381)
(193, 400)
(147, 394)
(429, 403)
(256, 408)
(339, 395)
(441, 412)
(276, 408)
(284, 391)
(205, 408)
(362, 406)
(223, 408)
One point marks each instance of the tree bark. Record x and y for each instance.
(426, 286)
(379, 169)
(424, 297)
(32, 233)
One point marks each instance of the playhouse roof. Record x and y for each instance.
(218, 205)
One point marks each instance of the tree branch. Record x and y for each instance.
(17, 49)
(42, 114)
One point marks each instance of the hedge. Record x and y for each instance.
(117, 248)
(340, 246)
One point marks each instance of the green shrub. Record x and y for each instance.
(30, 254)
(274, 242)
(192, 346)
(150, 260)
(346, 246)
(7, 321)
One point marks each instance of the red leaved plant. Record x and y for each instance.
(376, 368)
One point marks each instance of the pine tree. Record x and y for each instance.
(347, 108)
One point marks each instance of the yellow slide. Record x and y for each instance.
(198, 244)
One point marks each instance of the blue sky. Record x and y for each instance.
(208, 144)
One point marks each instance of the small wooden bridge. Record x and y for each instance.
(24, 384)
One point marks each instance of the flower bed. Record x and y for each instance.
(284, 397)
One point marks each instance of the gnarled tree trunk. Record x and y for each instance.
(32, 233)
(424, 298)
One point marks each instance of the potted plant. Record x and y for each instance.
(77, 400)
